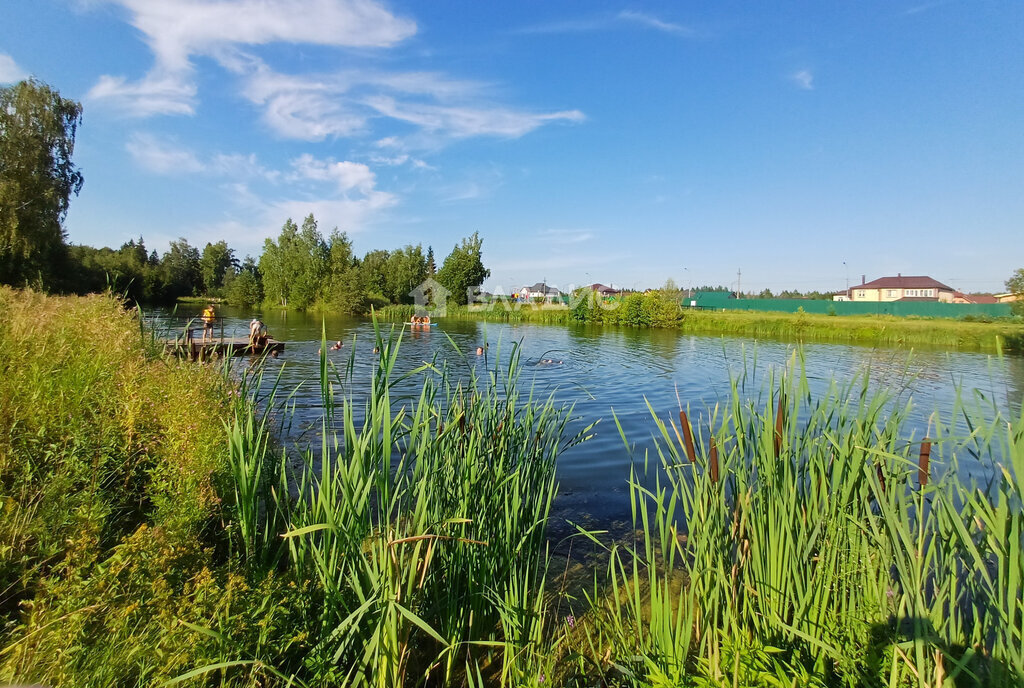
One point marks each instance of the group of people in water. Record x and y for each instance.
(420, 321)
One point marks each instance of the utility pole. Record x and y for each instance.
(739, 284)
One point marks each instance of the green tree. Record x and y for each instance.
(244, 287)
(583, 304)
(180, 266)
(374, 273)
(37, 178)
(345, 292)
(1015, 285)
(294, 267)
(463, 269)
(274, 267)
(431, 265)
(312, 282)
(215, 264)
(405, 269)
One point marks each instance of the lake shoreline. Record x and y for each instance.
(878, 330)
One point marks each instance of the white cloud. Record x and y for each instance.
(316, 107)
(259, 218)
(348, 214)
(156, 94)
(462, 121)
(607, 22)
(10, 71)
(238, 166)
(347, 175)
(177, 30)
(804, 79)
(400, 159)
(652, 22)
(162, 156)
(347, 103)
(565, 236)
(351, 201)
(353, 196)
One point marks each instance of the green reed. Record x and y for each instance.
(420, 521)
(815, 529)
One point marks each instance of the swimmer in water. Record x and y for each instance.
(335, 346)
(550, 361)
(479, 351)
(376, 349)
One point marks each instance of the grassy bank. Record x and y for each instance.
(153, 534)
(111, 461)
(652, 311)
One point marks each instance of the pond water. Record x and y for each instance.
(602, 369)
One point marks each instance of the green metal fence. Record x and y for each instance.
(924, 309)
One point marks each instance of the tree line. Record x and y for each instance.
(297, 269)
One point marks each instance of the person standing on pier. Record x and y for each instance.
(208, 317)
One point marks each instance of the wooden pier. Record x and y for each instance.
(197, 349)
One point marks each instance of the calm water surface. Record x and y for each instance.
(606, 369)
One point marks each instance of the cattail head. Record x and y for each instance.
(714, 460)
(684, 422)
(923, 461)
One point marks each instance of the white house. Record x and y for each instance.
(539, 291)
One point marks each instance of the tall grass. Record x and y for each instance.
(815, 530)
(420, 521)
(110, 462)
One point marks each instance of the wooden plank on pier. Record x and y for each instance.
(198, 349)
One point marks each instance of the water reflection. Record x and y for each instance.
(1015, 385)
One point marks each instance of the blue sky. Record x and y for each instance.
(802, 143)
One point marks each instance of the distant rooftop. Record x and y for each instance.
(904, 282)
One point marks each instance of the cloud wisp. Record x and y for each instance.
(652, 22)
(804, 79)
(10, 72)
(315, 107)
(565, 237)
(162, 156)
(608, 22)
(178, 30)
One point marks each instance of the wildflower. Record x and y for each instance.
(571, 620)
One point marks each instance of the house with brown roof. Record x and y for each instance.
(900, 288)
(960, 297)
